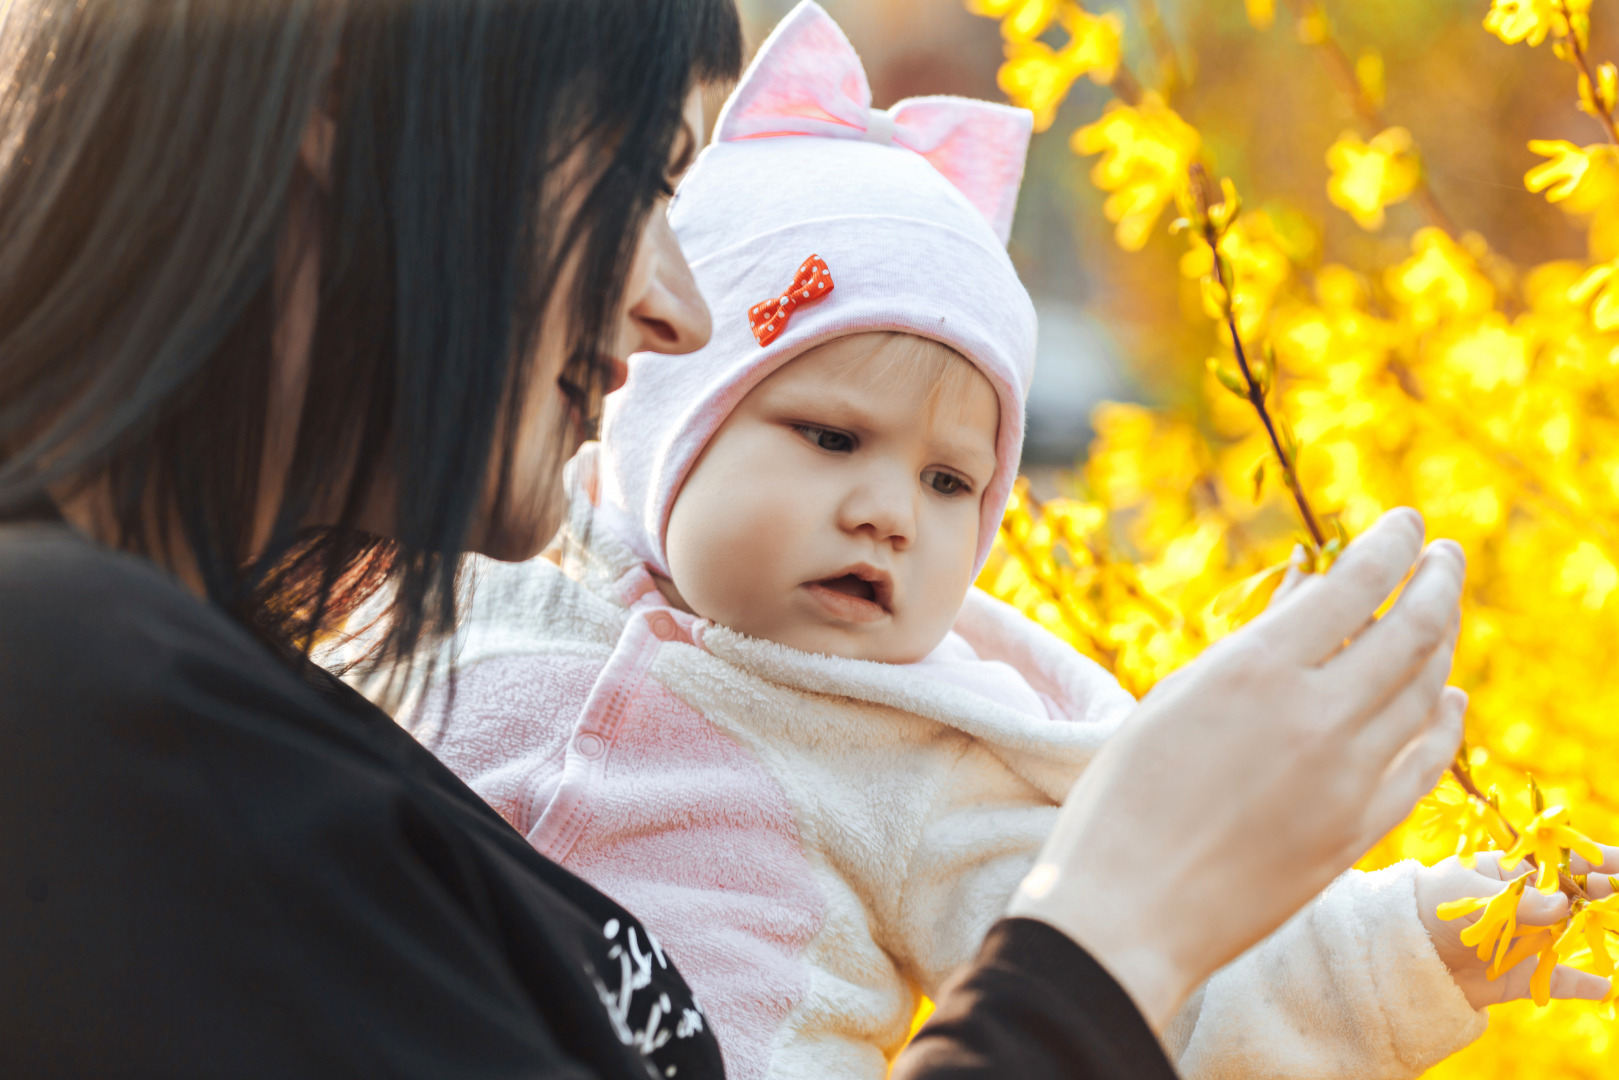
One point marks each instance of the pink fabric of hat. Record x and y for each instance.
(909, 208)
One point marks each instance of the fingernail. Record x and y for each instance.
(1410, 515)
(1451, 548)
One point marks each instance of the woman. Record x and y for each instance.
(304, 298)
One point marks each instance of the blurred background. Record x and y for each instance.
(1112, 323)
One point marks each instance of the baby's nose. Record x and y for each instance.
(879, 508)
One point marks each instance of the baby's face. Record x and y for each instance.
(837, 509)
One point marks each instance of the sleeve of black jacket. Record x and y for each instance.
(1034, 1006)
(210, 867)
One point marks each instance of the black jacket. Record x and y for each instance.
(212, 865)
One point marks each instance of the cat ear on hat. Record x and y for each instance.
(979, 146)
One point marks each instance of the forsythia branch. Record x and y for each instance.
(1463, 776)
(1205, 201)
(1575, 43)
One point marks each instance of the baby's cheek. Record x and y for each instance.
(947, 572)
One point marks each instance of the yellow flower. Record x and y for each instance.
(1366, 177)
(1598, 99)
(1601, 282)
(1588, 172)
(1038, 77)
(1592, 923)
(1486, 354)
(1493, 931)
(1531, 20)
(1441, 280)
(1535, 940)
(1588, 574)
(1540, 983)
(1372, 76)
(1261, 13)
(1146, 150)
(1021, 20)
(1448, 809)
(1545, 837)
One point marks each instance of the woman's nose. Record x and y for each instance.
(666, 312)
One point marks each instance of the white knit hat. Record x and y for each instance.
(909, 209)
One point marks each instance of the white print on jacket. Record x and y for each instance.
(635, 975)
(815, 840)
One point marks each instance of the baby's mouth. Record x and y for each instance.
(861, 594)
(850, 585)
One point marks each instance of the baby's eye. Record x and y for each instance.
(945, 483)
(835, 441)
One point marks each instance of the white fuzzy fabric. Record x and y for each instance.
(1349, 987)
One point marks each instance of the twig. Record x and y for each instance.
(1579, 59)
(1107, 655)
(1459, 772)
(1169, 64)
(1203, 194)
(1125, 86)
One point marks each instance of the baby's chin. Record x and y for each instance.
(880, 645)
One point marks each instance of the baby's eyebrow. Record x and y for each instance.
(968, 457)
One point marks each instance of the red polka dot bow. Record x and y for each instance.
(769, 318)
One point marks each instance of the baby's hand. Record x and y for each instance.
(1450, 880)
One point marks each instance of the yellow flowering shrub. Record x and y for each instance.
(1428, 370)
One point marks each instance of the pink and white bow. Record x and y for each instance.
(807, 79)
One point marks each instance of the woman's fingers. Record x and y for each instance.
(1418, 767)
(1294, 577)
(1316, 618)
(1395, 722)
(1426, 615)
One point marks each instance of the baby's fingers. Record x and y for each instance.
(1572, 984)
(1538, 909)
(1610, 862)
(1568, 984)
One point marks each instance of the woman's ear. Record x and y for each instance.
(315, 148)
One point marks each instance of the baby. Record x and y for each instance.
(751, 692)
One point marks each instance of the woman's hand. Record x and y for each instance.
(1450, 880)
(1250, 779)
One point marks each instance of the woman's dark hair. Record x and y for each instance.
(148, 152)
